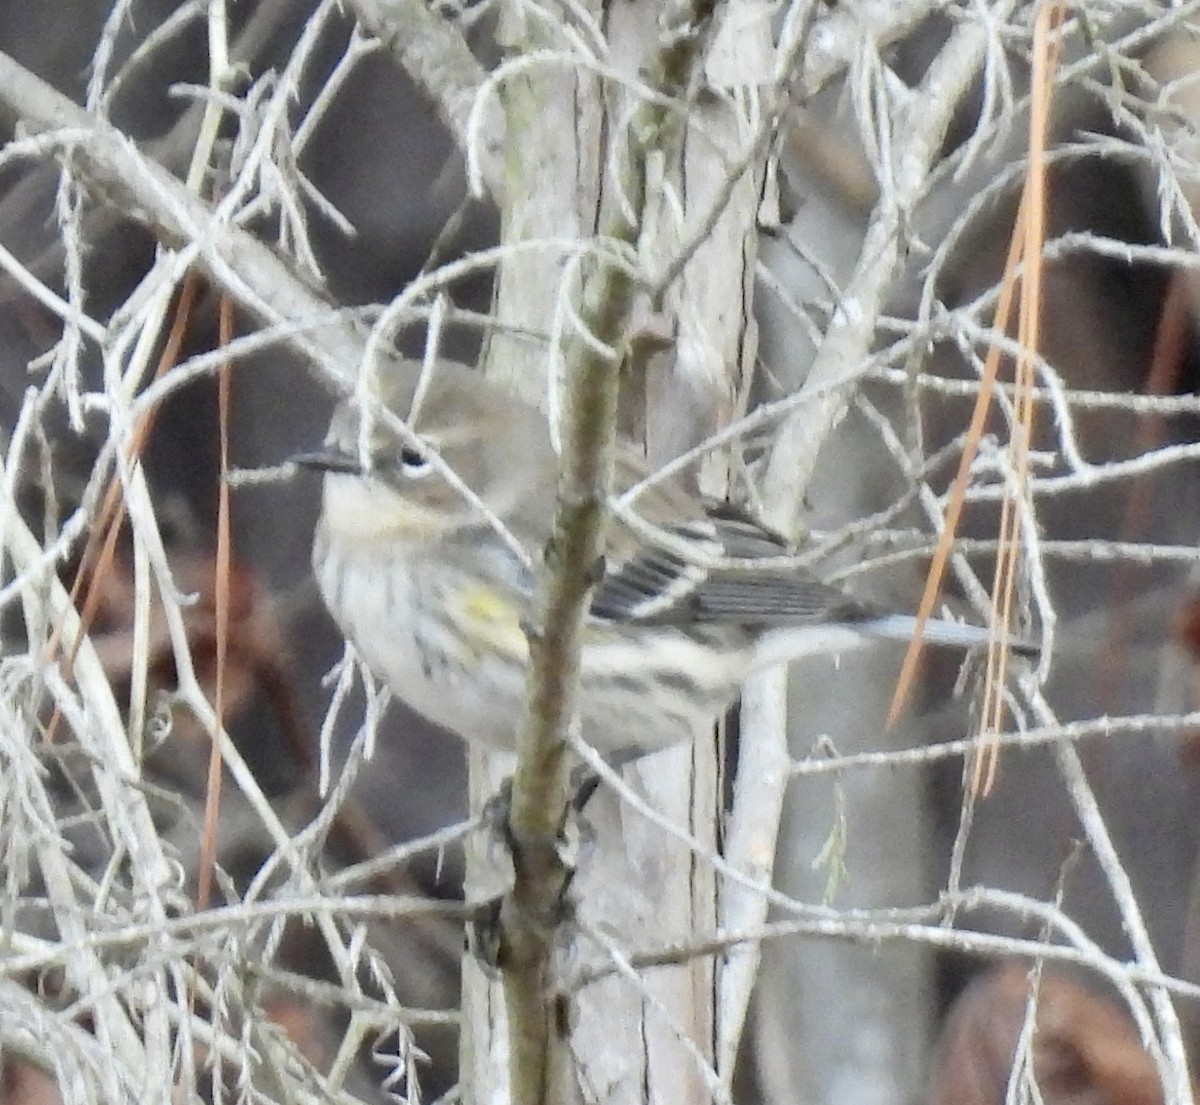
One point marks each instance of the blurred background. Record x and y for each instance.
(834, 1023)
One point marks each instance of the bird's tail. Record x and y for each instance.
(937, 631)
(787, 643)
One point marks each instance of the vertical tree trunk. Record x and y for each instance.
(649, 1038)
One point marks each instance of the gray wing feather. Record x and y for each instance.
(658, 586)
(655, 585)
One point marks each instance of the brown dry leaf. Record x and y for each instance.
(1085, 1049)
(21, 1084)
(257, 657)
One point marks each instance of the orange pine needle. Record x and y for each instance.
(212, 798)
(100, 550)
(1025, 249)
(1032, 235)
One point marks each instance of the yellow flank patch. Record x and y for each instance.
(488, 622)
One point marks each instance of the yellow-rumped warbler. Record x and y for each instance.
(433, 595)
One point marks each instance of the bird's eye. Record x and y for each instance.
(414, 462)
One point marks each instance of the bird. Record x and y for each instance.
(434, 585)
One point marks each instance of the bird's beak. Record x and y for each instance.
(329, 459)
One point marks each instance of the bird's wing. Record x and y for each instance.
(706, 574)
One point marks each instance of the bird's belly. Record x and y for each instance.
(459, 660)
(670, 691)
(395, 628)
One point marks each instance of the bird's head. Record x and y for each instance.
(395, 469)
